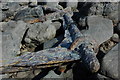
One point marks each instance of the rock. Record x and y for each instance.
(102, 77)
(1, 15)
(106, 9)
(106, 46)
(13, 6)
(4, 6)
(71, 4)
(96, 9)
(24, 75)
(100, 29)
(67, 75)
(110, 8)
(40, 32)
(52, 4)
(29, 13)
(33, 3)
(117, 29)
(9, 9)
(56, 24)
(12, 34)
(109, 65)
(82, 22)
(115, 38)
(53, 43)
(114, 17)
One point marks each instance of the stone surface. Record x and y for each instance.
(57, 25)
(67, 75)
(110, 8)
(109, 66)
(53, 43)
(12, 34)
(115, 38)
(100, 29)
(71, 4)
(96, 9)
(102, 77)
(29, 13)
(40, 32)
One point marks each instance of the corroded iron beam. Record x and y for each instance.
(81, 45)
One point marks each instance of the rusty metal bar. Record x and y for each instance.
(84, 47)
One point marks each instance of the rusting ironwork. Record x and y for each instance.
(76, 47)
(41, 59)
(81, 45)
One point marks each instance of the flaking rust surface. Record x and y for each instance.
(41, 59)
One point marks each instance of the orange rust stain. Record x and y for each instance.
(34, 21)
(76, 42)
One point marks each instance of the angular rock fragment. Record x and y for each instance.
(40, 32)
(109, 66)
(100, 29)
(12, 34)
(29, 13)
(41, 59)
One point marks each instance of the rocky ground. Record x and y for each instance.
(31, 27)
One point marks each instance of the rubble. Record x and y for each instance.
(60, 39)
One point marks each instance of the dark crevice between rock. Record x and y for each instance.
(117, 29)
(63, 4)
(76, 16)
(39, 47)
(42, 3)
(42, 74)
(81, 73)
(60, 30)
(23, 41)
(84, 7)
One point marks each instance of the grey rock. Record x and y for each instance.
(106, 9)
(67, 75)
(29, 13)
(26, 75)
(102, 77)
(4, 6)
(40, 32)
(57, 25)
(1, 15)
(109, 66)
(13, 6)
(110, 8)
(33, 4)
(100, 29)
(53, 42)
(96, 9)
(12, 34)
(115, 38)
(114, 16)
(72, 4)
(9, 9)
(82, 21)
(52, 4)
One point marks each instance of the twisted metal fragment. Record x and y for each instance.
(81, 45)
